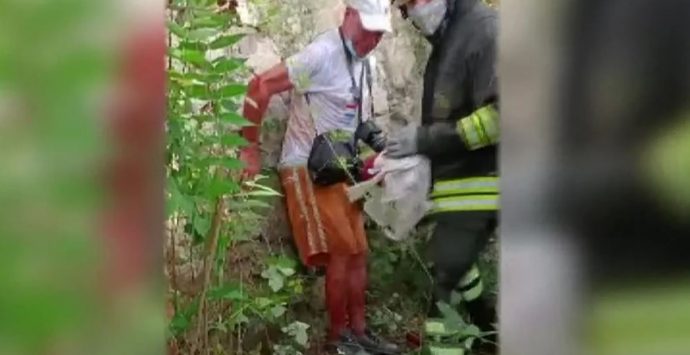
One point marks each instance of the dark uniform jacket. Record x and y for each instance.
(460, 78)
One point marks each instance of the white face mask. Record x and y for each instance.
(351, 48)
(428, 17)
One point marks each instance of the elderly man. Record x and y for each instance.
(330, 81)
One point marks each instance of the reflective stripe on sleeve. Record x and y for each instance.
(480, 128)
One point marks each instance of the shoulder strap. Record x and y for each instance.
(361, 91)
(370, 85)
(366, 69)
(367, 64)
(357, 91)
(349, 60)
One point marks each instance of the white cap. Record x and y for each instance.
(375, 14)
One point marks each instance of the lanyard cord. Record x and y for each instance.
(354, 89)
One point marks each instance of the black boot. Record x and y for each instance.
(346, 345)
(376, 345)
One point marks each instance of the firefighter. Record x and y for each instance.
(459, 134)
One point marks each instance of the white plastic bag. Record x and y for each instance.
(402, 202)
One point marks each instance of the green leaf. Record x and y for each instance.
(302, 338)
(227, 65)
(195, 78)
(455, 297)
(230, 163)
(202, 34)
(238, 205)
(221, 186)
(177, 30)
(204, 22)
(191, 56)
(202, 225)
(179, 323)
(181, 79)
(200, 92)
(235, 119)
(233, 140)
(278, 311)
(229, 105)
(202, 8)
(451, 318)
(261, 190)
(298, 331)
(262, 302)
(232, 90)
(177, 202)
(287, 271)
(285, 265)
(182, 318)
(192, 45)
(215, 21)
(471, 330)
(262, 194)
(225, 41)
(231, 291)
(211, 78)
(469, 342)
(276, 281)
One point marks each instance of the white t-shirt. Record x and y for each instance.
(320, 72)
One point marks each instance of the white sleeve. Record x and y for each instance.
(305, 65)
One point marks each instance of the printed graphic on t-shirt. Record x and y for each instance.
(350, 113)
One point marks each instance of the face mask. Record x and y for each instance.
(428, 17)
(351, 48)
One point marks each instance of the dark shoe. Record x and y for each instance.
(375, 345)
(346, 345)
(483, 313)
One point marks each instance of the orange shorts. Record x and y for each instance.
(322, 218)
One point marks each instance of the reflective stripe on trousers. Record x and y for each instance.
(442, 350)
(466, 194)
(436, 333)
(469, 288)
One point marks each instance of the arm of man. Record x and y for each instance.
(480, 128)
(298, 73)
(259, 92)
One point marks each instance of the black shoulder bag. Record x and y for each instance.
(334, 155)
